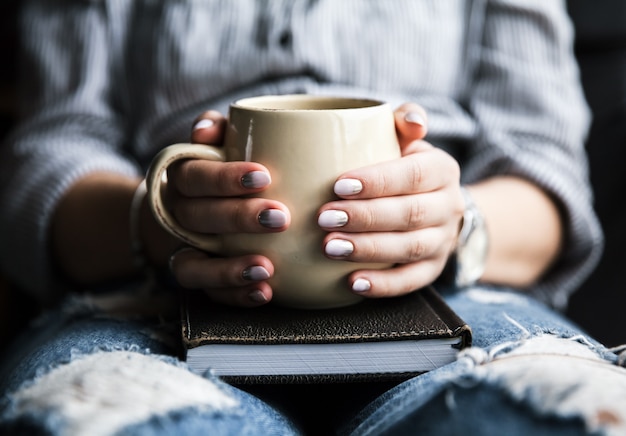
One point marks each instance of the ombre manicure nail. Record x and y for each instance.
(339, 248)
(333, 218)
(415, 118)
(361, 285)
(272, 218)
(255, 273)
(255, 180)
(257, 296)
(204, 123)
(348, 187)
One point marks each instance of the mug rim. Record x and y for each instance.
(305, 103)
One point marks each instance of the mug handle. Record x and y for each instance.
(156, 180)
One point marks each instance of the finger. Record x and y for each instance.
(236, 281)
(423, 171)
(400, 213)
(248, 296)
(389, 247)
(231, 215)
(195, 269)
(204, 178)
(208, 128)
(411, 123)
(396, 281)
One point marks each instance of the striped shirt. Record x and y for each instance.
(107, 83)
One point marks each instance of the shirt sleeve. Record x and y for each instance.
(70, 126)
(533, 121)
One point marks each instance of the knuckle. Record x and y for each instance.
(185, 179)
(415, 173)
(366, 250)
(415, 215)
(415, 250)
(382, 185)
(366, 217)
(187, 213)
(386, 184)
(229, 276)
(239, 217)
(225, 178)
(182, 177)
(374, 251)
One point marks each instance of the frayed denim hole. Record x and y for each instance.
(535, 331)
(620, 352)
(564, 384)
(476, 355)
(76, 354)
(555, 375)
(108, 391)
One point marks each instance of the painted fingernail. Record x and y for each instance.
(339, 248)
(257, 296)
(204, 123)
(256, 179)
(272, 218)
(255, 273)
(415, 118)
(361, 285)
(348, 187)
(333, 218)
(172, 259)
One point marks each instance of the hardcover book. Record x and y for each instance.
(382, 339)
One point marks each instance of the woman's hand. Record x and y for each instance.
(406, 212)
(206, 197)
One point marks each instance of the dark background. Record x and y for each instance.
(600, 304)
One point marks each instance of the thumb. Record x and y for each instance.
(411, 123)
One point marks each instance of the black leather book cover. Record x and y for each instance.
(420, 315)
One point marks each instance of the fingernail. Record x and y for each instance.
(257, 296)
(170, 262)
(348, 187)
(415, 118)
(272, 218)
(204, 123)
(255, 273)
(333, 218)
(256, 179)
(361, 285)
(339, 248)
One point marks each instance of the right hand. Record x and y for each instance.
(209, 197)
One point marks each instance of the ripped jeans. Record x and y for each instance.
(97, 367)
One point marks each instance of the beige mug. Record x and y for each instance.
(306, 142)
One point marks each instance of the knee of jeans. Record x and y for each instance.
(105, 392)
(555, 377)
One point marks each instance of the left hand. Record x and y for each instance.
(407, 213)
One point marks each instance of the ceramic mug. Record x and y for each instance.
(306, 142)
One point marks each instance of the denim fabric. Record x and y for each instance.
(529, 371)
(94, 367)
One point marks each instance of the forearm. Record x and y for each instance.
(90, 231)
(525, 230)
